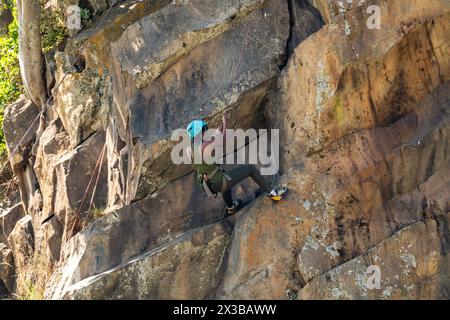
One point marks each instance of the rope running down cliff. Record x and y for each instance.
(56, 88)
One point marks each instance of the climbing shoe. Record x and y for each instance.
(234, 208)
(277, 194)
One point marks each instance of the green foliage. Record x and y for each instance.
(53, 29)
(10, 80)
(8, 4)
(85, 16)
(97, 212)
(53, 33)
(32, 280)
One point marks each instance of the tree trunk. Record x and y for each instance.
(31, 59)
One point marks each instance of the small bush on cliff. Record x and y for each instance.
(32, 281)
(85, 16)
(53, 29)
(97, 212)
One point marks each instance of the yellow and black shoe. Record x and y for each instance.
(277, 193)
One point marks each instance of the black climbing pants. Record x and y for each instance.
(239, 174)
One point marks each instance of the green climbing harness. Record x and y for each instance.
(211, 177)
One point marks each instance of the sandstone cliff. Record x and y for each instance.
(363, 115)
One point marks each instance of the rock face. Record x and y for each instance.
(143, 226)
(72, 178)
(7, 273)
(413, 263)
(358, 86)
(8, 220)
(364, 134)
(364, 155)
(21, 121)
(21, 241)
(185, 269)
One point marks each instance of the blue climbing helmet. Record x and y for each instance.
(196, 127)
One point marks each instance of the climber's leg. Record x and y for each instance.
(242, 172)
(235, 176)
(226, 195)
(232, 206)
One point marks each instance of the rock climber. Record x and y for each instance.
(215, 180)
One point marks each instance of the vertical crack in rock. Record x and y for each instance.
(304, 20)
(288, 50)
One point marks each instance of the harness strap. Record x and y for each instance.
(207, 177)
(225, 180)
(207, 189)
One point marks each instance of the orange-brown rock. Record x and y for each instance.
(347, 77)
(413, 264)
(363, 115)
